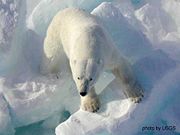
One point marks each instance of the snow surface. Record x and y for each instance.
(8, 15)
(147, 32)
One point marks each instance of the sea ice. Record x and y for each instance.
(147, 33)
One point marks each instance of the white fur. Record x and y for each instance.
(79, 38)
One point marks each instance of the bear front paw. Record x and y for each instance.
(135, 93)
(136, 99)
(90, 104)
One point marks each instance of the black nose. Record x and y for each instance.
(83, 93)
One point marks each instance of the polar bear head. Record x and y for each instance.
(85, 74)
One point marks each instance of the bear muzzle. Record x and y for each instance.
(84, 88)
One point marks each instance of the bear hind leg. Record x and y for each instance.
(49, 66)
(54, 59)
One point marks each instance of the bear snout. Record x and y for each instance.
(83, 93)
(84, 88)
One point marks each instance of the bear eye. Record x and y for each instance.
(78, 78)
(90, 79)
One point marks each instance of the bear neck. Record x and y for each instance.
(86, 46)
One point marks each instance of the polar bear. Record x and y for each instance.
(78, 40)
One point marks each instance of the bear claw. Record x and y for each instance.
(136, 99)
(136, 94)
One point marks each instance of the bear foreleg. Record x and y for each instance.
(90, 102)
(123, 72)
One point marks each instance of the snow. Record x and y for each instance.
(159, 102)
(8, 15)
(112, 109)
(5, 124)
(146, 32)
(38, 98)
(155, 21)
(132, 43)
(38, 20)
